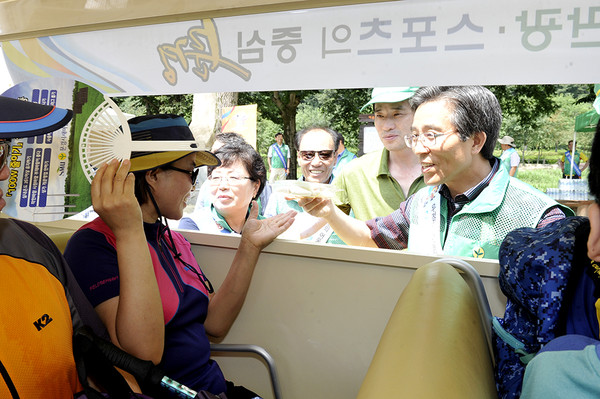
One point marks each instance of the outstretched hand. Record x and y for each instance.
(113, 196)
(261, 233)
(318, 206)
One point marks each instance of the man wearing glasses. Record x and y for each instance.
(471, 203)
(376, 183)
(317, 149)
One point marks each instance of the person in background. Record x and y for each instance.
(510, 158)
(317, 147)
(343, 157)
(142, 278)
(569, 157)
(376, 183)
(470, 200)
(232, 186)
(279, 159)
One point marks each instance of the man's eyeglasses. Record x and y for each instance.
(427, 138)
(232, 180)
(4, 153)
(193, 173)
(324, 155)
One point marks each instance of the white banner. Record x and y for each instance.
(399, 43)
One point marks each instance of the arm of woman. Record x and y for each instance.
(134, 319)
(228, 300)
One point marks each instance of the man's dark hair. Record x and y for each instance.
(245, 154)
(594, 177)
(335, 136)
(474, 109)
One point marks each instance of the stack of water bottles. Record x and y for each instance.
(570, 190)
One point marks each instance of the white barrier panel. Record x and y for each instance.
(319, 310)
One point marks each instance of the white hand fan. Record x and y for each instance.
(106, 136)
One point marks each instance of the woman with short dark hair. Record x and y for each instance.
(232, 186)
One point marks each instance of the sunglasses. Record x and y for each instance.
(193, 173)
(4, 153)
(324, 155)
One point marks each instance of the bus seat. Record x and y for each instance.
(60, 239)
(435, 343)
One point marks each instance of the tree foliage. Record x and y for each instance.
(526, 104)
(281, 108)
(342, 106)
(548, 129)
(293, 111)
(536, 116)
(561, 124)
(180, 104)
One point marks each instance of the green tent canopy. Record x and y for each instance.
(587, 121)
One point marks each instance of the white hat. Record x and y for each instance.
(507, 140)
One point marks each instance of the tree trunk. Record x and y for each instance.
(288, 115)
(206, 115)
(227, 99)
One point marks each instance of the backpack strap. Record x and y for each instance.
(508, 338)
(97, 358)
(91, 363)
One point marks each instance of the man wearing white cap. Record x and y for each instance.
(378, 182)
(510, 158)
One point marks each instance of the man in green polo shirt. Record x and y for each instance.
(378, 182)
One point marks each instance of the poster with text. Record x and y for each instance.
(47, 181)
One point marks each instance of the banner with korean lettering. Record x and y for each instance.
(398, 43)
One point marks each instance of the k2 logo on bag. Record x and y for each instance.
(42, 322)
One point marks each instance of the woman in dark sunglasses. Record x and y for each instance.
(143, 279)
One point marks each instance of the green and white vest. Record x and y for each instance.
(479, 228)
(505, 159)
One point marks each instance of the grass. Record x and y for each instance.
(545, 157)
(541, 169)
(542, 178)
